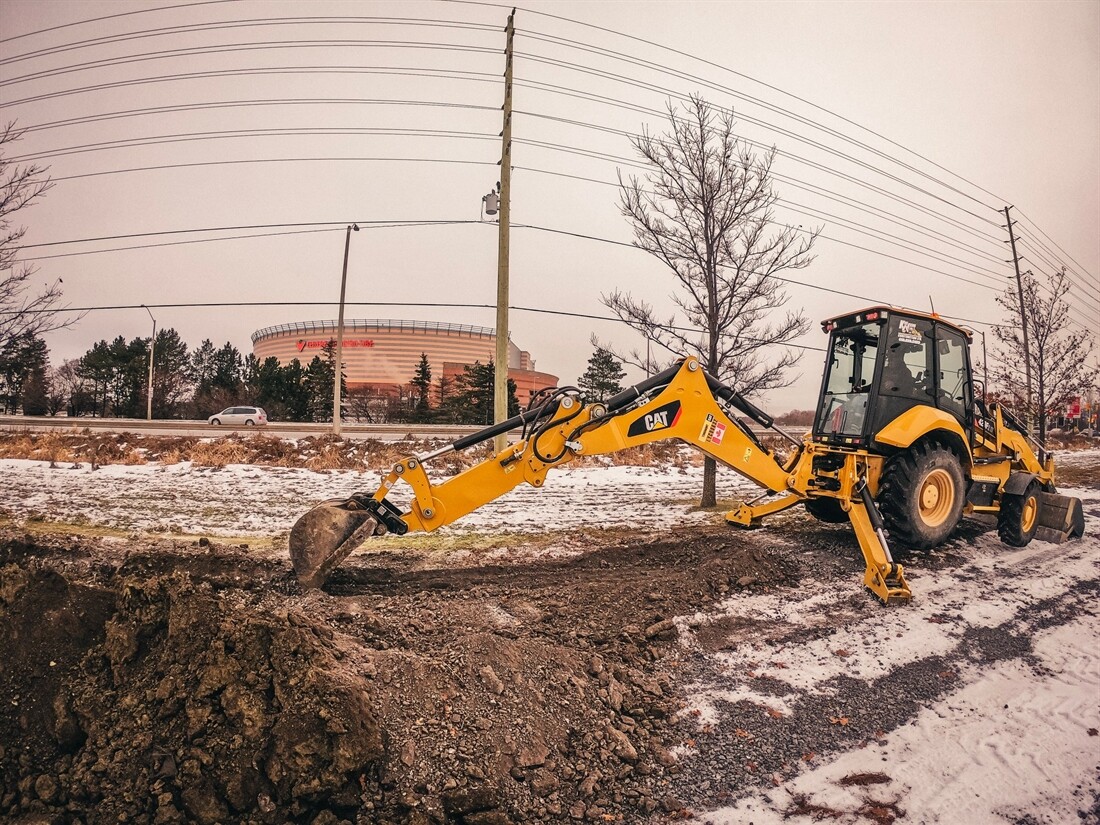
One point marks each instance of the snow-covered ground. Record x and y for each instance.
(1012, 739)
(1017, 739)
(242, 500)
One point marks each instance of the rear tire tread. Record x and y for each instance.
(898, 489)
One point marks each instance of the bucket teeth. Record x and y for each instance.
(325, 536)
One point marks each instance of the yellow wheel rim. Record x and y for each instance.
(937, 497)
(1031, 511)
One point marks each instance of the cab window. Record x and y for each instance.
(851, 374)
(954, 386)
(909, 369)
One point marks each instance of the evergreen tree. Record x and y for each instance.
(97, 367)
(129, 365)
(23, 364)
(601, 380)
(172, 379)
(471, 400)
(293, 390)
(217, 377)
(318, 383)
(202, 368)
(422, 381)
(226, 369)
(329, 351)
(36, 392)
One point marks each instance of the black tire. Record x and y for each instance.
(921, 495)
(216, 422)
(250, 423)
(827, 510)
(1019, 516)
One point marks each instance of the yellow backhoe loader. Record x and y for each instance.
(900, 446)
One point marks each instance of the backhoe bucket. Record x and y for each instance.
(1060, 518)
(325, 536)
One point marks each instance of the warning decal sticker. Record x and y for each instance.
(713, 432)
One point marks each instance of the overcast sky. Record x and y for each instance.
(916, 121)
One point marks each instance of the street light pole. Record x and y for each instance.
(152, 345)
(340, 335)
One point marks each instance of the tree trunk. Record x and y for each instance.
(709, 467)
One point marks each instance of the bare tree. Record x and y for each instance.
(705, 211)
(1062, 360)
(22, 310)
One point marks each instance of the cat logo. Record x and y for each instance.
(660, 419)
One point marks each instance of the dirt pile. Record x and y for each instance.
(167, 702)
(197, 684)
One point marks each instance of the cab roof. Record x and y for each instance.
(881, 311)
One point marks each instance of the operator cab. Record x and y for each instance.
(883, 361)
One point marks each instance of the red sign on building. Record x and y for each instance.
(348, 342)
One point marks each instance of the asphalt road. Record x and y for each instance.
(382, 432)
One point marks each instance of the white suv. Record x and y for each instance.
(248, 416)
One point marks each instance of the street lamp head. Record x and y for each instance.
(355, 227)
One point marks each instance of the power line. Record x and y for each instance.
(830, 194)
(271, 45)
(186, 137)
(255, 102)
(637, 61)
(725, 68)
(384, 224)
(243, 228)
(276, 160)
(205, 50)
(177, 243)
(256, 22)
(396, 71)
(1045, 235)
(581, 95)
(672, 93)
(159, 139)
(111, 17)
(862, 229)
(604, 156)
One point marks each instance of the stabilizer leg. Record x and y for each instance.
(884, 577)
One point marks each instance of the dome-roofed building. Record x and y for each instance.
(382, 355)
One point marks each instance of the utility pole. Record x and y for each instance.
(500, 375)
(152, 344)
(340, 336)
(985, 371)
(1023, 313)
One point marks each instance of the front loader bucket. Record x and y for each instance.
(1060, 518)
(325, 536)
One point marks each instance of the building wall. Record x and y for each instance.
(383, 354)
